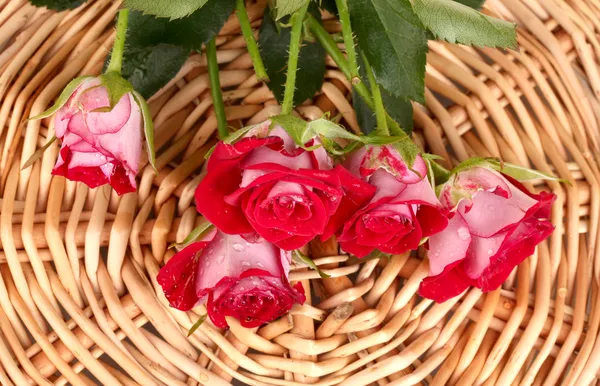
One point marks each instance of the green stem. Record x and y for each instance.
(116, 57)
(259, 67)
(382, 128)
(215, 88)
(334, 52)
(344, 15)
(297, 20)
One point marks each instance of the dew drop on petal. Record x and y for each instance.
(463, 233)
(238, 247)
(490, 252)
(245, 264)
(491, 208)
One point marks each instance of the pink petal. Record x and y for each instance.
(230, 256)
(125, 145)
(448, 246)
(110, 121)
(491, 213)
(92, 98)
(480, 253)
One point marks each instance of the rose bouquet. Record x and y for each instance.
(270, 189)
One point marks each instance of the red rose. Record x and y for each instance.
(235, 277)
(403, 211)
(496, 224)
(266, 184)
(99, 147)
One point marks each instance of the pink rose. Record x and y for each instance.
(496, 224)
(235, 277)
(403, 211)
(99, 147)
(265, 183)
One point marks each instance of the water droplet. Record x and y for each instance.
(437, 254)
(238, 247)
(463, 233)
(259, 264)
(490, 252)
(491, 208)
(220, 259)
(203, 377)
(245, 264)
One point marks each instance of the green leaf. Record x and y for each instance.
(196, 325)
(399, 109)
(297, 128)
(116, 87)
(148, 127)
(172, 9)
(274, 41)
(394, 41)
(148, 69)
(287, 7)
(38, 153)
(476, 4)
(62, 98)
(521, 173)
(302, 132)
(301, 257)
(157, 48)
(57, 5)
(194, 235)
(458, 23)
(408, 150)
(440, 174)
(198, 28)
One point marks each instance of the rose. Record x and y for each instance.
(403, 210)
(496, 223)
(235, 277)
(265, 183)
(99, 145)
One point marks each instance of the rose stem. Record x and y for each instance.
(297, 21)
(344, 15)
(382, 128)
(331, 48)
(251, 45)
(116, 57)
(215, 88)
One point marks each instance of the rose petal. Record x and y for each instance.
(450, 283)
(212, 190)
(491, 213)
(448, 246)
(231, 255)
(178, 277)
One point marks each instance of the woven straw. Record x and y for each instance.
(79, 303)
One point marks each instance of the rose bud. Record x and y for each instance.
(99, 144)
(403, 211)
(234, 277)
(265, 183)
(495, 224)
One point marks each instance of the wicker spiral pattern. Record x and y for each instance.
(79, 303)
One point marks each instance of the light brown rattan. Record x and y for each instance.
(72, 314)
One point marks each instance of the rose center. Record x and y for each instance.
(287, 206)
(382, 224)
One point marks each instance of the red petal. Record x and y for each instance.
(223, 178)
(357, 193)
(178, 277)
